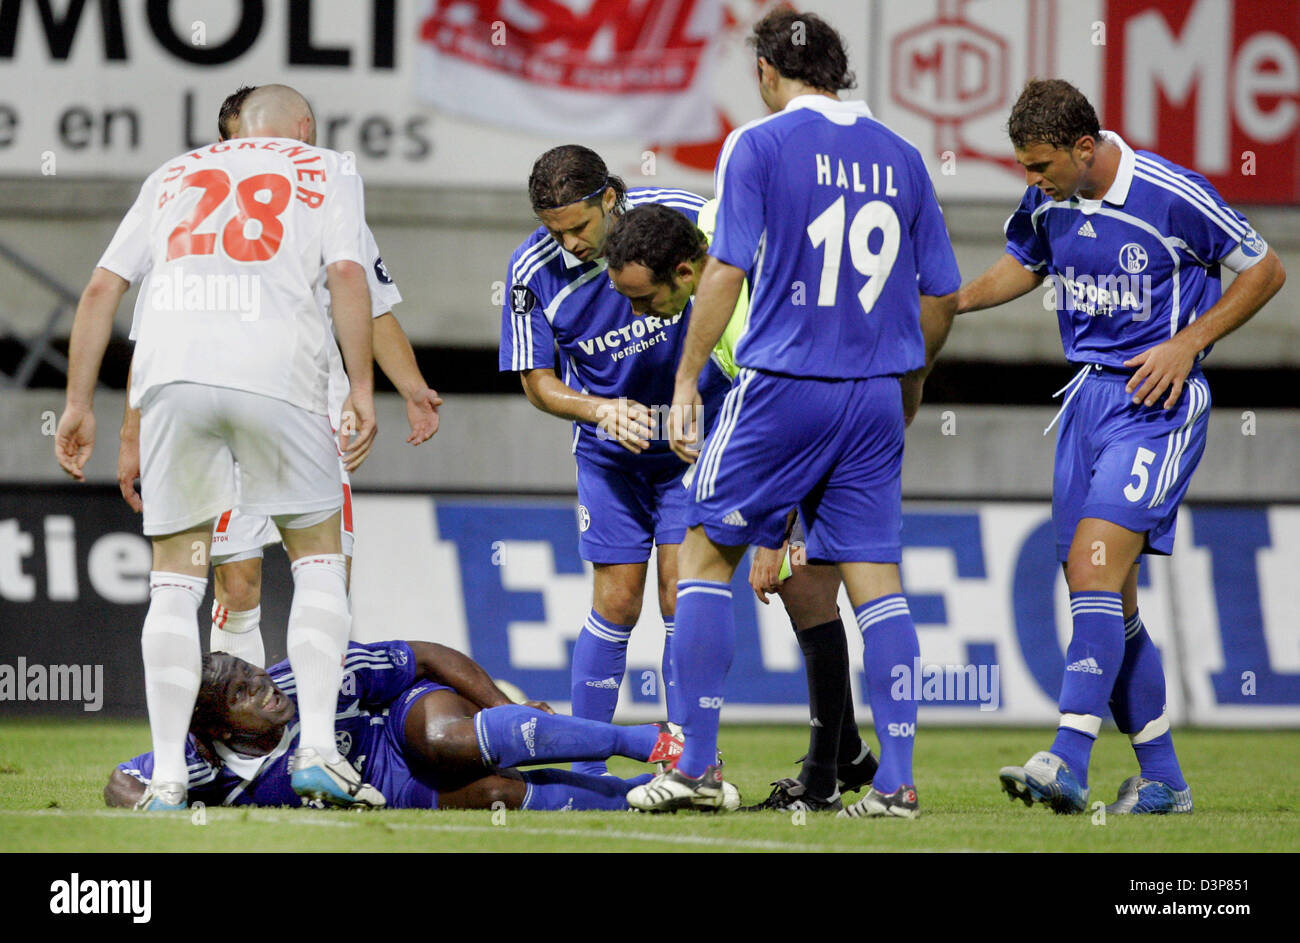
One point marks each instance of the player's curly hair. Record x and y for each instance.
(210, 705)
(228, 117)
(804, 47)
(1052, 112)
(658, 237)
(569, 173)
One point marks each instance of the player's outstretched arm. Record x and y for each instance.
(447, 666)
(75, 438)
(1005, 280)
(395, 357)
(350, 308)
(1166, 366)
(715, 302)
(624, 420)
(122, 791)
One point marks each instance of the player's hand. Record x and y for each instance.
(357, 430)
(74, 440)
(765, 571)
(685, 422)
(625, 421)
(1164, 366)
(422, 414)
(912, 384)
(541, 706)
(128, 470)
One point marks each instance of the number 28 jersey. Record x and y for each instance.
(833, 217)
(233, 237)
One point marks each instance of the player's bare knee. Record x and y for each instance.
(238, 585)
(619, 603)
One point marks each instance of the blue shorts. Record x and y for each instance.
(389, 768)
(832, 448)
(624, 510)
(1126, 463)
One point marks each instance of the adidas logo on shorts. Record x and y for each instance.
(735, 519)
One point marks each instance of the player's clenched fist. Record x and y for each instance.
(75, 440)
(625, 421)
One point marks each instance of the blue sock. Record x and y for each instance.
(672, 699)
(1092, 663)
(703, 645)
(599, 661)
(889, 639)
(558, 790)
(515, 735)
(1138, 703)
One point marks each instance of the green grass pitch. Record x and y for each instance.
(1244, 783)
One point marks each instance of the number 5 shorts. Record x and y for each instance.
(832, 448)
(191, 435)
(1127, 463)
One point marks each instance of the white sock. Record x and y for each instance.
(317, 641)
(172, 668)
(238, 633)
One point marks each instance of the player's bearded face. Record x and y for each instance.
(1056, 171)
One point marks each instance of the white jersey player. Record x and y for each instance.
(232, 364)
(238, 538)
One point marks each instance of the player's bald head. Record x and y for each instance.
(277, 111)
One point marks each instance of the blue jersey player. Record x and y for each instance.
(583, 354)
(424, 722)
(834, 221)
(1134, 246)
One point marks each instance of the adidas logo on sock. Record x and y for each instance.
(1087, 230)
(1087, 665)
(735, 519)
(529, 729)
(610, 684)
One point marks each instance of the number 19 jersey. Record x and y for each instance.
(233, 237)
(833, 217)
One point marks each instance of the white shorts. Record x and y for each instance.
(241, 536)
(192, 434)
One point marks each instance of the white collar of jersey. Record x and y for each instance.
(841, 112)
(245, 767)
(1119, 187)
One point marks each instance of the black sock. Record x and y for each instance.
(826, 661)
(851, 745)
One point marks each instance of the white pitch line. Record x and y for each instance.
(368, 821)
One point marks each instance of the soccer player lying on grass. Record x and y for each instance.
(424, 724)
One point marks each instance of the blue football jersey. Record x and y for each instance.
(834, 219)
(373, 677)
(1134, 268)
(563, 314)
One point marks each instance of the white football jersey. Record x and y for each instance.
(234, 237)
